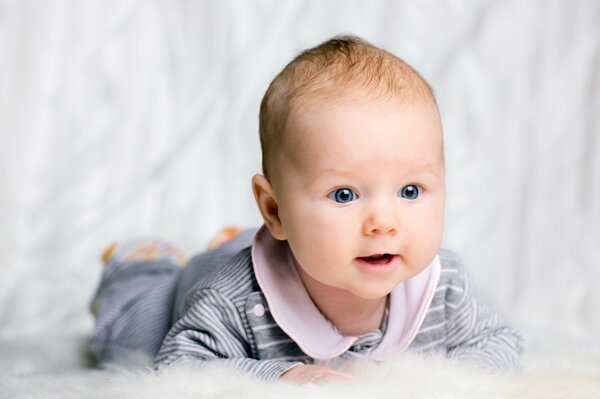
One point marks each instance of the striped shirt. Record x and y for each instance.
(225, 316)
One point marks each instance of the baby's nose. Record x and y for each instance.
(380, 224)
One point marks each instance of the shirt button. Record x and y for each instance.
(258, 310)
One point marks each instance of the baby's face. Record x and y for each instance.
(361, 199)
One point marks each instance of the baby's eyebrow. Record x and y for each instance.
(422, 170)
(430, 169)
(336, 171)
(328, 173)
(416, 166)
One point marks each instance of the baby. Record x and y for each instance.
(348, 262)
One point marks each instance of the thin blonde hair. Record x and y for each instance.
(328, 72)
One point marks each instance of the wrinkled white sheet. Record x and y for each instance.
(124, 118)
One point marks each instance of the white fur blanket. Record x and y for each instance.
(52, 372)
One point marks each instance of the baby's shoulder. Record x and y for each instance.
(230, 277)
(454, 285)
(452, 273)
(450, 262)
(230, 273)
(449, 259)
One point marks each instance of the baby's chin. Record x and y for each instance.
(371, 294)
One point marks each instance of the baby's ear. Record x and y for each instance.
(267, 205)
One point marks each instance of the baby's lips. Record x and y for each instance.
(377, 258)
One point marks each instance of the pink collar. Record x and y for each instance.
(295, 313)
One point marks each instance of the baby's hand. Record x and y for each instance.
(308, 373)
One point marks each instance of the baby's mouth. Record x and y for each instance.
(377, 259)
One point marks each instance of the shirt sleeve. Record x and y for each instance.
(213, 330)
(475, 332)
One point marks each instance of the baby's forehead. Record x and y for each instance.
(311, 110)
(323, 128)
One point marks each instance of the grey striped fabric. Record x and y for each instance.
(212, 304)
(135, 306)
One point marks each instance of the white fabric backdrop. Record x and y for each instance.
(124, 118)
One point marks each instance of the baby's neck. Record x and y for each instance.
(350, 314)
(354, 319)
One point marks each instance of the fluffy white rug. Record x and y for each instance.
(52, 374)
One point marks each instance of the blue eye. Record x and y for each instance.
(410, 192)
(343, 195)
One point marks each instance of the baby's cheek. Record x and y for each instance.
(429, 246)
(321, 246)
(318, 230)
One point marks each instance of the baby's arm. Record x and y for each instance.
(213, 330)
(475, 332)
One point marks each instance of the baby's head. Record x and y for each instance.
(353, 167)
